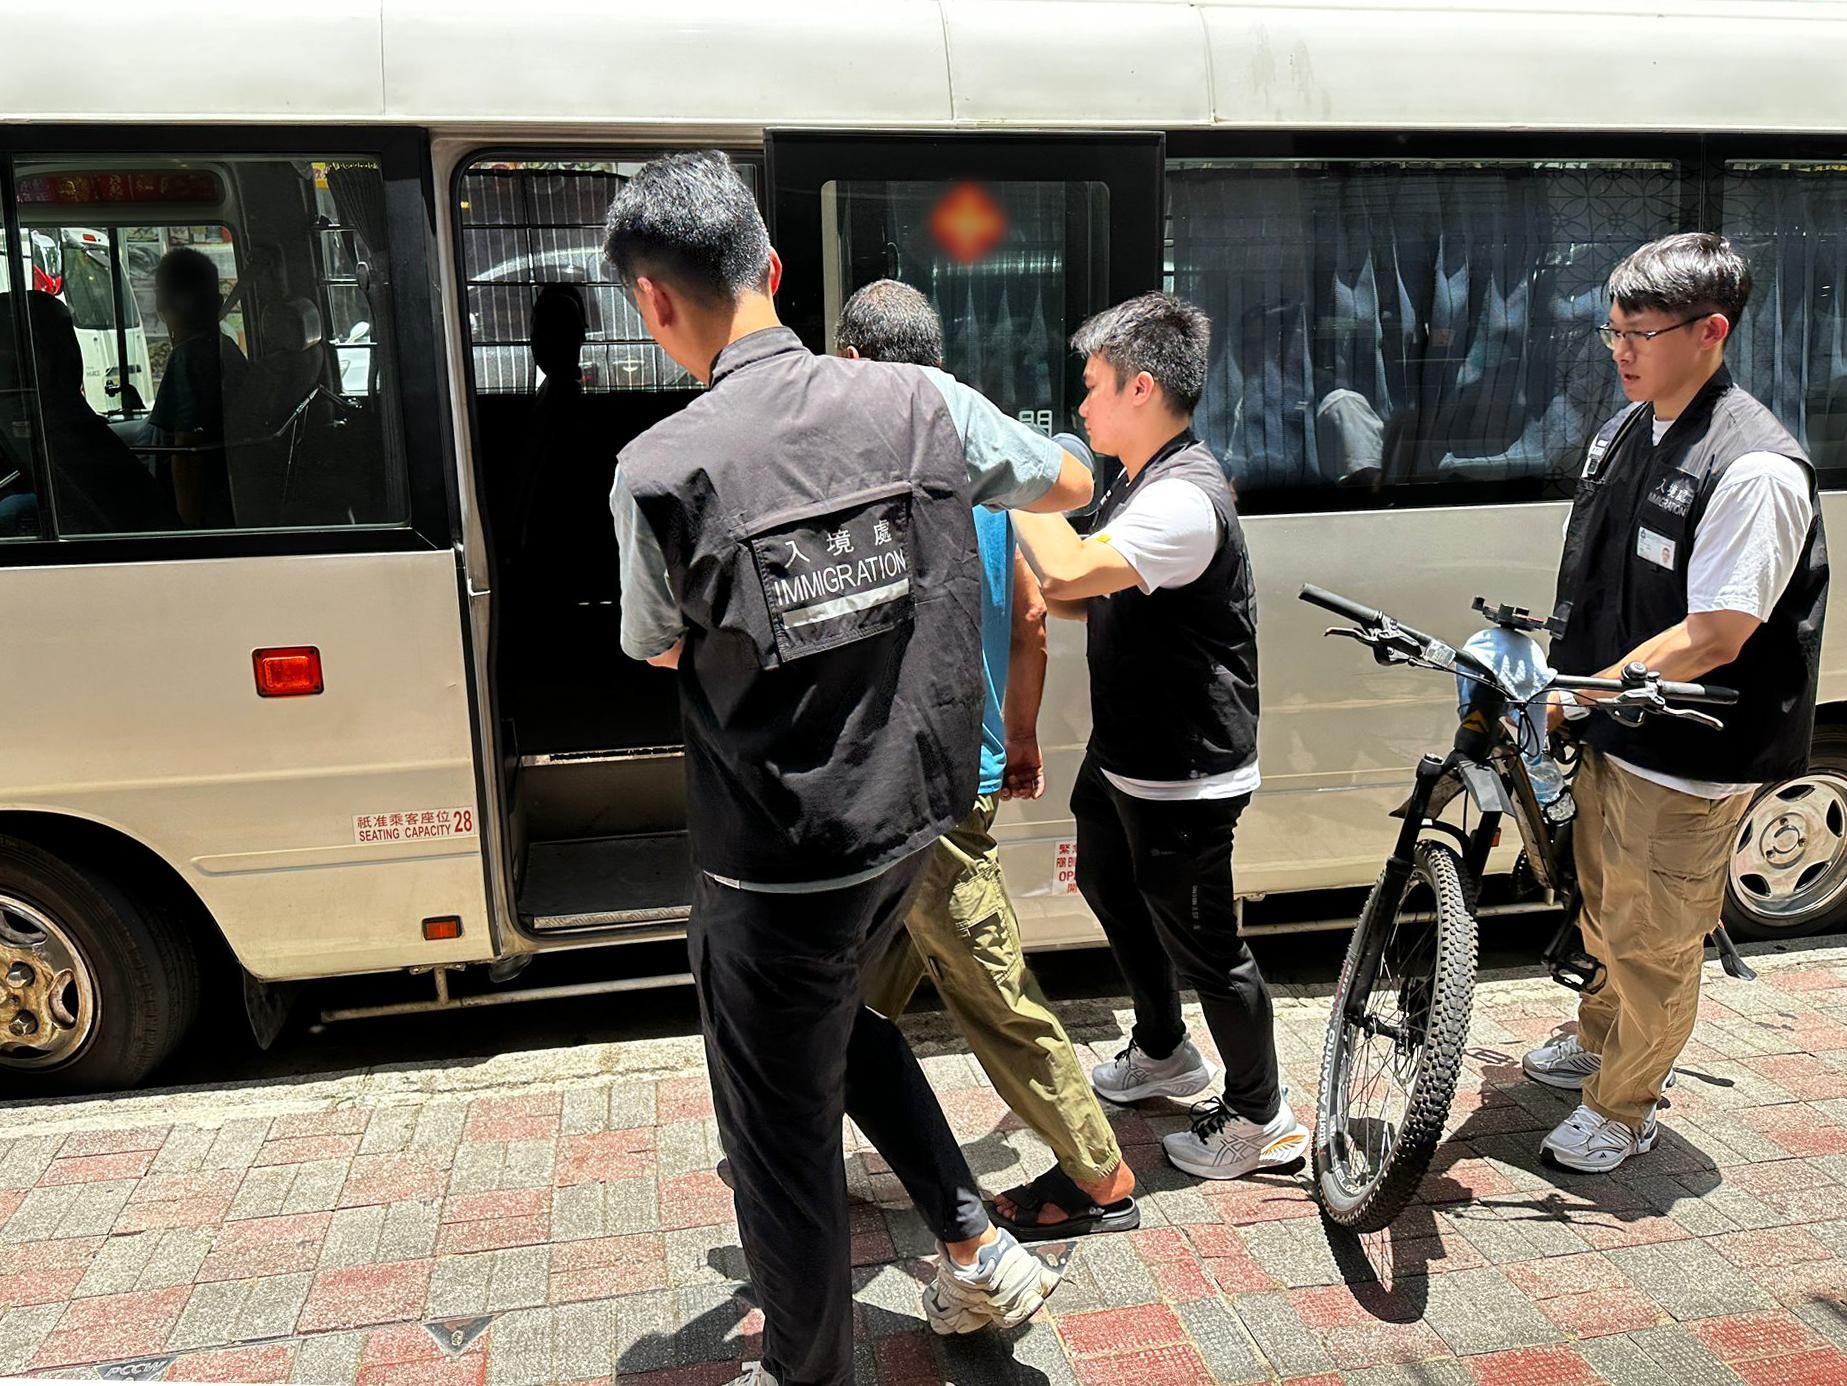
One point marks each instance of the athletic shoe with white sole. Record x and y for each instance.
(1005, 1287)
(1591, 1144)
(756, 1374)
(1220, 1144)
(1565, 1063)
(1132, 1076)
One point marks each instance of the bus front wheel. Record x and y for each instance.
(97, 983)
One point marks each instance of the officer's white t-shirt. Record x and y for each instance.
(1168, 533)
(1745, 551)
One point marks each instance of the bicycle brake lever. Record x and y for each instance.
(1705, 719)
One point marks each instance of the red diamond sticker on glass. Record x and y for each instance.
(968, 223)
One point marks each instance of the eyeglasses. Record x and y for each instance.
(1614, 337)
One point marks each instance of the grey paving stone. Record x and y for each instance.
(1619, 1361)
(459, 1286)
(316, 1187)
(118, 1265)
(95, 1209)
(38, 1215)
(1228, 1351)
(273, 1307)
(410, 1230)
(262, 1192)
(707, 1319)
(586, 1110)
(1690, 1280)
(1280, 1334)
(529, 1164)
(682, 1149)
(519, 1279)
(439, 1128)
(352, 1238)
(704, 1256)
(237, 1143)
(27, 1159)
(184, 1151)
(327, 1359)
(644, 1332)
(1681, 1358)
(1038, 1355)
(1121, 1275)
(210, 1316)
(1442, 1371)
(631, 1205)
(577, 1212)
(177, 1256)
(582, 1339)
(1480, 1311)
(520, 1349)
(631, 1106)
(1294, 1251)
(890, 1299)
(21, 1332)
(908, 1233)
(477, 1167)
(389, 1132)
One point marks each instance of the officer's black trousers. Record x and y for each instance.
(790, 1048)
(1157, 874)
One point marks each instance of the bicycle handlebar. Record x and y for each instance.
(1679, 692)
(1353, 611)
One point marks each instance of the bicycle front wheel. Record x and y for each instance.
(1388, 1071)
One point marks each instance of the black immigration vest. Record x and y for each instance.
(1173, 672)
(815, 519)
(1624, 578)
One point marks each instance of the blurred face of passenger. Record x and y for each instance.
(1671, 364)
(1117, 414)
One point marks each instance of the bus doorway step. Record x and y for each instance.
(445, 1001)
(636, 882)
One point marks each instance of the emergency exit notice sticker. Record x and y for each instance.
(414, 825)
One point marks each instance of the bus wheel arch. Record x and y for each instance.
(107, 952)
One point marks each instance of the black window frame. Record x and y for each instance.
(1700, 160)
(403, 156)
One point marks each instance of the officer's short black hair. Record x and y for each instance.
(1693, 272)
(689, 220)
(889, 321)
(1154, 332)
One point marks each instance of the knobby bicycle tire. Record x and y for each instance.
(1433, 1087)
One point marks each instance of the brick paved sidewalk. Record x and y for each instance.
(554, 1218)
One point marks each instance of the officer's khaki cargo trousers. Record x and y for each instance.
(1651, 864)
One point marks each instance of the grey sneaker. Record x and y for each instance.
(1591, 1144)
(1132, 1076)
(1565, 1063)
(1220, 1144)
(755, 1374)
(1005, 1287)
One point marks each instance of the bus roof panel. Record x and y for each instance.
(678, 62)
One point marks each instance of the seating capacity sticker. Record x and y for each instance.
(414, 825)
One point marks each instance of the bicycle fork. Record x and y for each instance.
(1390, 889)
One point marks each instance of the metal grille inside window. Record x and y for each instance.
(531, 225)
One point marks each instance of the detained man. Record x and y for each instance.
(961, 926)
(798, 543)
(1164, 584)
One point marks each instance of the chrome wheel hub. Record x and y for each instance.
(1790, 856)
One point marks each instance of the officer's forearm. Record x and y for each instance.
(1070, 568)
(1071, 491)
(1705, 641)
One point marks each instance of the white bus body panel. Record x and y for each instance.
(252, 799)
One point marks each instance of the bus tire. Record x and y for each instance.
(1787, 874)
(98, 984)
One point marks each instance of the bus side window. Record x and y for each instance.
(19, 505)
(1406, 332)
(213, 344)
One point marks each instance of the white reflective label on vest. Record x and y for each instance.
(1655, 548)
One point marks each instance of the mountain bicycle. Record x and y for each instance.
(1400, 1017)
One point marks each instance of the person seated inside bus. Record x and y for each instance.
(98, 485)
(205, 368)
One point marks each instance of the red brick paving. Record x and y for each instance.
(1542, 1366)
(250, 1365)
(110, 1327)
(1821, 1367)
(1742, 1337)
(606, 1155)
(365, 1295)
(526, 1118)
(1107, 1332)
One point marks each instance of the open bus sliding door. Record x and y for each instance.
(1016, 239)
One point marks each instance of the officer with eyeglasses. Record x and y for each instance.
(1695, 548)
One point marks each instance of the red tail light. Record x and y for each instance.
(293, 672)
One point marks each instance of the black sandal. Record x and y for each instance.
(1083, 1214)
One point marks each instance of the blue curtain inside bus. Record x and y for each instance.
(1383, 324)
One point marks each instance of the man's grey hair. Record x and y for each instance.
(1154, 332)
(689, 220)
(1694, 272)
(889, 321)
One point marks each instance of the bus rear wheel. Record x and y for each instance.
(1788, 870)
(97, 984)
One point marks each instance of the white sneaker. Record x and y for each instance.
(755, 1374)
(1592, 1144)
(1005, 1287)
(1132, 1076)
(1220, 1144)
(1565, 1063)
